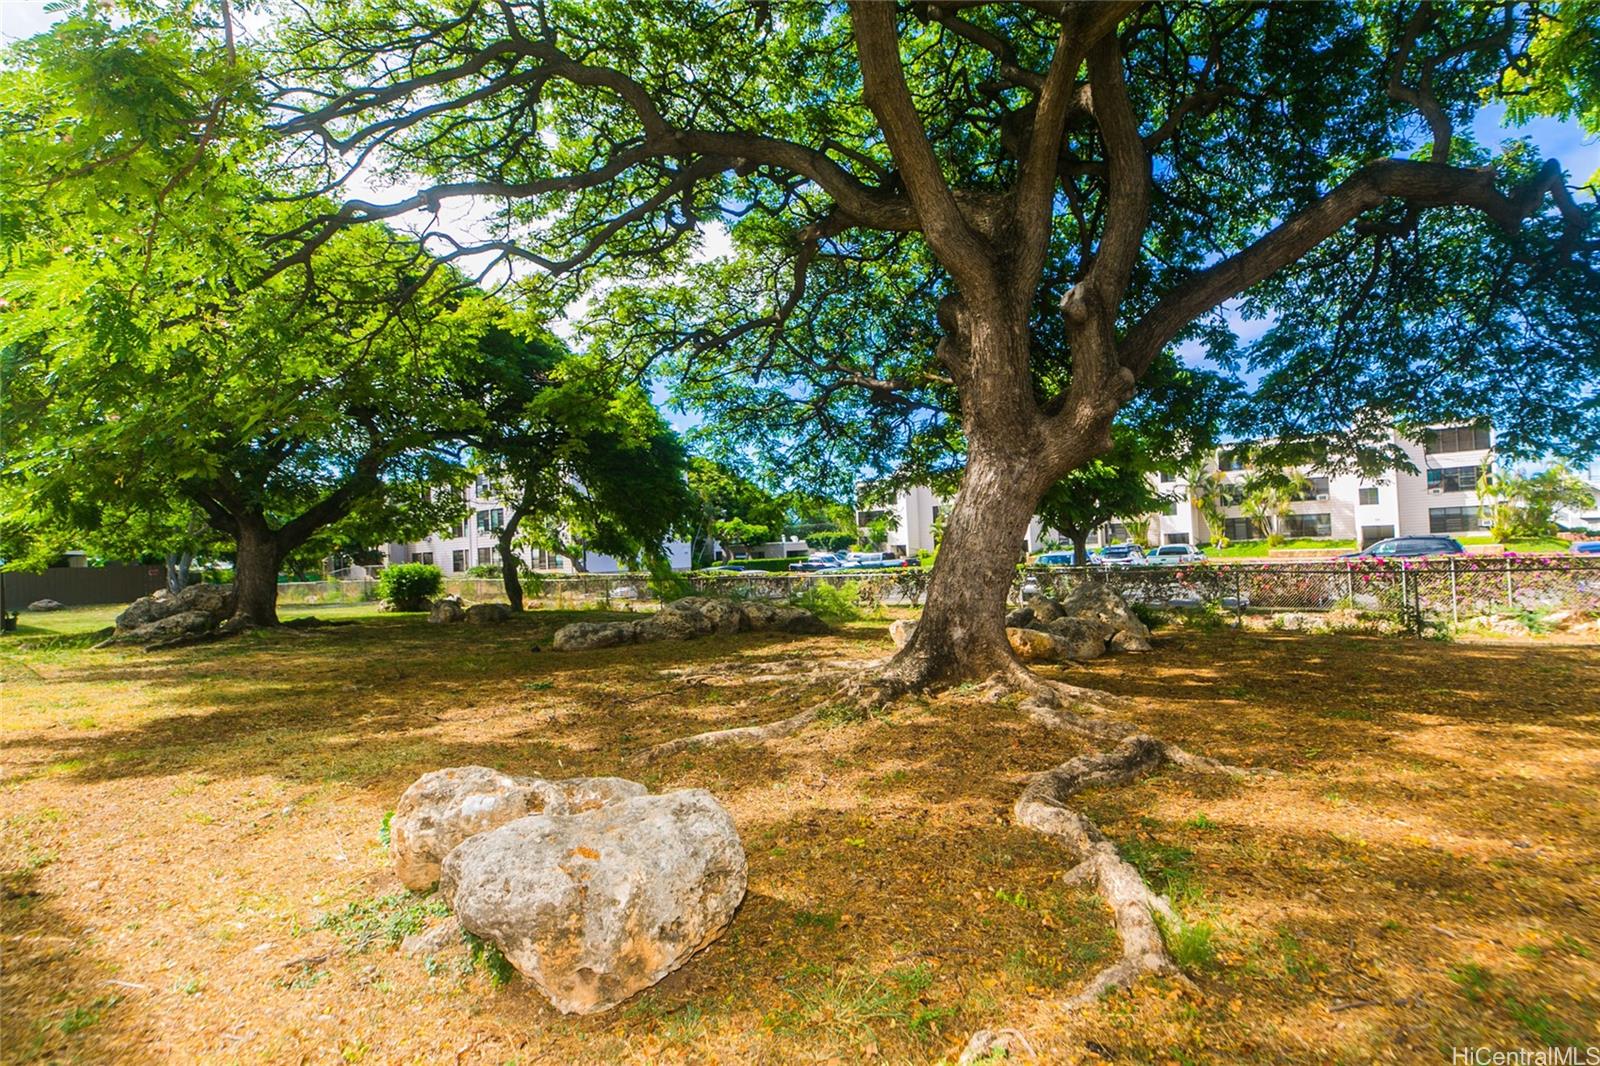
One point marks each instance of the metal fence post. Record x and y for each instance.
(1405, 593)
(1455, 611)
(1511, 598)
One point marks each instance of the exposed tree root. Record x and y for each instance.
(747, 736)
(796, 671)
(793, 671)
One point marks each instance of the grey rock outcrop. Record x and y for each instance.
(46, 604)
(217, 601)
(688, 619)
(162, 617)
(1083, 626)
(595, 906)
(488, 614)
(447, 610)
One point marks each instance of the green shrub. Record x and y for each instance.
(1152, 617)
(666, 583)
(408, 584)
(829, 542)
(831, 603)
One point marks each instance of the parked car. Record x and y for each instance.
(1121, 555)
(1586, 547)
(1176, 554)
(818, 561)
(859, 561)
(1054, 559)
(1408, 548)
(726, 568)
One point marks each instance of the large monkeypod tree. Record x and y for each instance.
(1111, 174)
(156, 375)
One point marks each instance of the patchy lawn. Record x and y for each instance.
(192, 869)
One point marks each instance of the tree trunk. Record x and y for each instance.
(1080, 547)
(178, 565)
(962, 630)
(255, 574)
(508, 568)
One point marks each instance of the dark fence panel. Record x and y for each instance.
(81, 586)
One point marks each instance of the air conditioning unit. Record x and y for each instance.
(1436, 492)
(1322, 495)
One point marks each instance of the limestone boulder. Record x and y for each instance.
(798, 620)
(174, 627)
(680, 620)
(1020, 618)
(900, 631)
(758, 615)
(1045, 610)
(1035, 645)
(596, 906)
(488, 614)
(1094, 600)
(583, 636)
(447, 610)
(445, 807)
(46, 604)
(1080, 638)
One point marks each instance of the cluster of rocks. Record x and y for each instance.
(593, 888)
(685, 619)
(1566, 620)
(165, 617)
(1339, 620)
(447, 610)
(1083, 626)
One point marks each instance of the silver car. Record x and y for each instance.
(1121, 555)
(1176, 555)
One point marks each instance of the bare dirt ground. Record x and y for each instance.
(192, 868)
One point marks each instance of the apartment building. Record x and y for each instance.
(475, 543)
(1440, 498)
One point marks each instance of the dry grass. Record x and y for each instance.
(1424, 874)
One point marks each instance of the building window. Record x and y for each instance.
(481, 487)
(490, 520)
(1171, 509)
(1165, 476)
(488, 556)
(458, 560)
(1454, 479)
(1240, 529)
(1230, 460)
(1369, 496)
(1175, 538)
(422, 557)
(1455, 439)
(1373, 534)
(1316, 487)
(1308, 525)
(1454, 519)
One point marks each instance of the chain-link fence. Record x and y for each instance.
(1413, 592)
(1452, 589)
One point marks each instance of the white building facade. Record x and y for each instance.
(476, 543)
(1441, 497)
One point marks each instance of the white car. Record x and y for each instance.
(1176, 555)
(1121, 555)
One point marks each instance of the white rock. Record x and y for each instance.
(596, 906)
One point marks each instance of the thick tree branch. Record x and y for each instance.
(959, 248)
(1419, 184)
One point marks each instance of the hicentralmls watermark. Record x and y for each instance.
(1525, 1056)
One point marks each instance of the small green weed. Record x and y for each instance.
(1473, 980)
(483, 953)
(384, 921)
